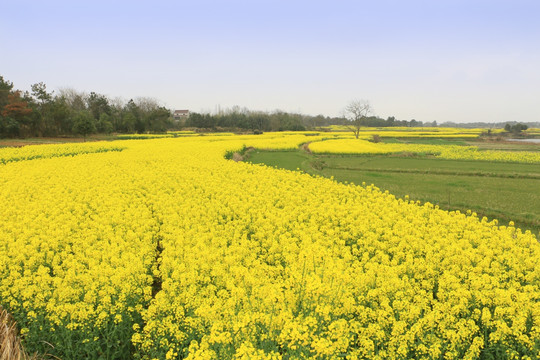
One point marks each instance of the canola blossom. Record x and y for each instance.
(143, 136)
(183, 133)
(54, 150)
(407, 132)
(453, 152)
(532, 131)
(166, 250)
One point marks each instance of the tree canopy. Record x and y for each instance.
(71, 112)
(44, 113)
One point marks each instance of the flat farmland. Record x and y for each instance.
(168, 249)
(498, 190)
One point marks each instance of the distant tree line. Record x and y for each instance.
(243, 118)
(70, 112)
(375, 121)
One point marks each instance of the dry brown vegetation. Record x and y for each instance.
(10, 343)
(237, 157)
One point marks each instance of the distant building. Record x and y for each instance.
(180, 115)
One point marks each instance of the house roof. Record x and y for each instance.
(181, 111)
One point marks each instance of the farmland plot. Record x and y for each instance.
(167, 250)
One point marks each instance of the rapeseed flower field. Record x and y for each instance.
(407, 132)
(163, 249)
(451, 152)
(49, 151)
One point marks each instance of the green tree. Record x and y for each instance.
(132, 118)
(84, 124)
(60, 114)
(159, 120)
(414, 123)
(8, 126)
(104, 124)
(41, 102)
(39, 91)
(5, 90)
(128, 122)
(98, 104)
(516, 128)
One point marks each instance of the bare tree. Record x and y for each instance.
(356, 112)
(147, 104)
(74, 98)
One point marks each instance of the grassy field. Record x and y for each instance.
(505, 191)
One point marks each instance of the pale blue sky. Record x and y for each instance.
(444, 60)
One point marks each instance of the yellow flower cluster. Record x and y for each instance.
(170, 248)
(269, 141)
(10, 154)
(183, 133)
(143, 136)
(407, 132)
(533, 131)
(455, 152)
(76, 251)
